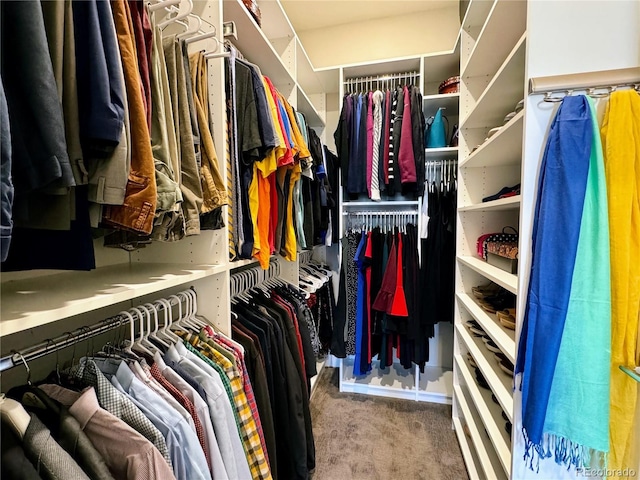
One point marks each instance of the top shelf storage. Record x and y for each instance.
(504, 26)
(267, 46)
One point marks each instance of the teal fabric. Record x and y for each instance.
(577, 422)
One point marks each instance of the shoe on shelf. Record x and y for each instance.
(503, 193)
(492, 347)
(481, 380)
(471, 360)
(507, 367)
(507, 318)
(508, 427)
(488, 290)
(501, 301)
(475, 328)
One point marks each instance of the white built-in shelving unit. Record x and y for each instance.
(492, 57)
(435, 384)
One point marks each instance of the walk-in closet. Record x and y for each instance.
(329, 240)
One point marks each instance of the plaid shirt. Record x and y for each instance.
(120, 406)
(186, 403)
(238, 355)
(249, 430)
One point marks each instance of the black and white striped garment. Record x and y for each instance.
(390, 163)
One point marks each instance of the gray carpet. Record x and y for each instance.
(361, 437)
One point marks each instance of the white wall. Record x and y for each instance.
(367, 41)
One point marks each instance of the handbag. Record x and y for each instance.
(504, 238)
(435, 135)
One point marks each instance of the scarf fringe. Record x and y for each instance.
(564, 451)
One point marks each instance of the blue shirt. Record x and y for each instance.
(220, 409)
(187, 457)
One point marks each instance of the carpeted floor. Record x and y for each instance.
(360, 437)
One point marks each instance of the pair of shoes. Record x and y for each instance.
(504, 193)
(482, 291)
(507, 318)
(500, 301)
(507, 367)
(475, 328)
(508, 427)
(491, 346)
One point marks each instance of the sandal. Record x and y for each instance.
(475, 328)
(482, 291)
(507, 318)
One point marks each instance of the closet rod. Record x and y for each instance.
(382, 214)
(42, 349)
(382, 78)
(583, 81)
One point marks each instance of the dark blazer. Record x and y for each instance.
(64, 428)
(39, 148)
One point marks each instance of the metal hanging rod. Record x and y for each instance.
(382, 213)
(610, 79)
(377, 80)
(450, 161)
(68, 339)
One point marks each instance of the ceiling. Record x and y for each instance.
(313, 14)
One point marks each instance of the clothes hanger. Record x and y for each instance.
(137, 344)
(197, 320)
(189, 31)
(12, 413)
(154, 333)
(153, 7)
(179, 16)
(165, 332)
(186, 319)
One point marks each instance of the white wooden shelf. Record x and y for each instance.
(509, 203)
(314, 119)
(490, 413)
(275, 23)
(487, 456)
(397, 382)
(495, 274)
(468, 450)
(502, 149)
(476, 14)
(440, 154)
(305, 74)
(505, 24)
(449, 101)
(384, 203)
(502, 94)
(255, 45)
(499, 381)
(503, 337)
(37, 301)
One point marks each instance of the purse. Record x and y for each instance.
(506, 240)
(435, 135)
